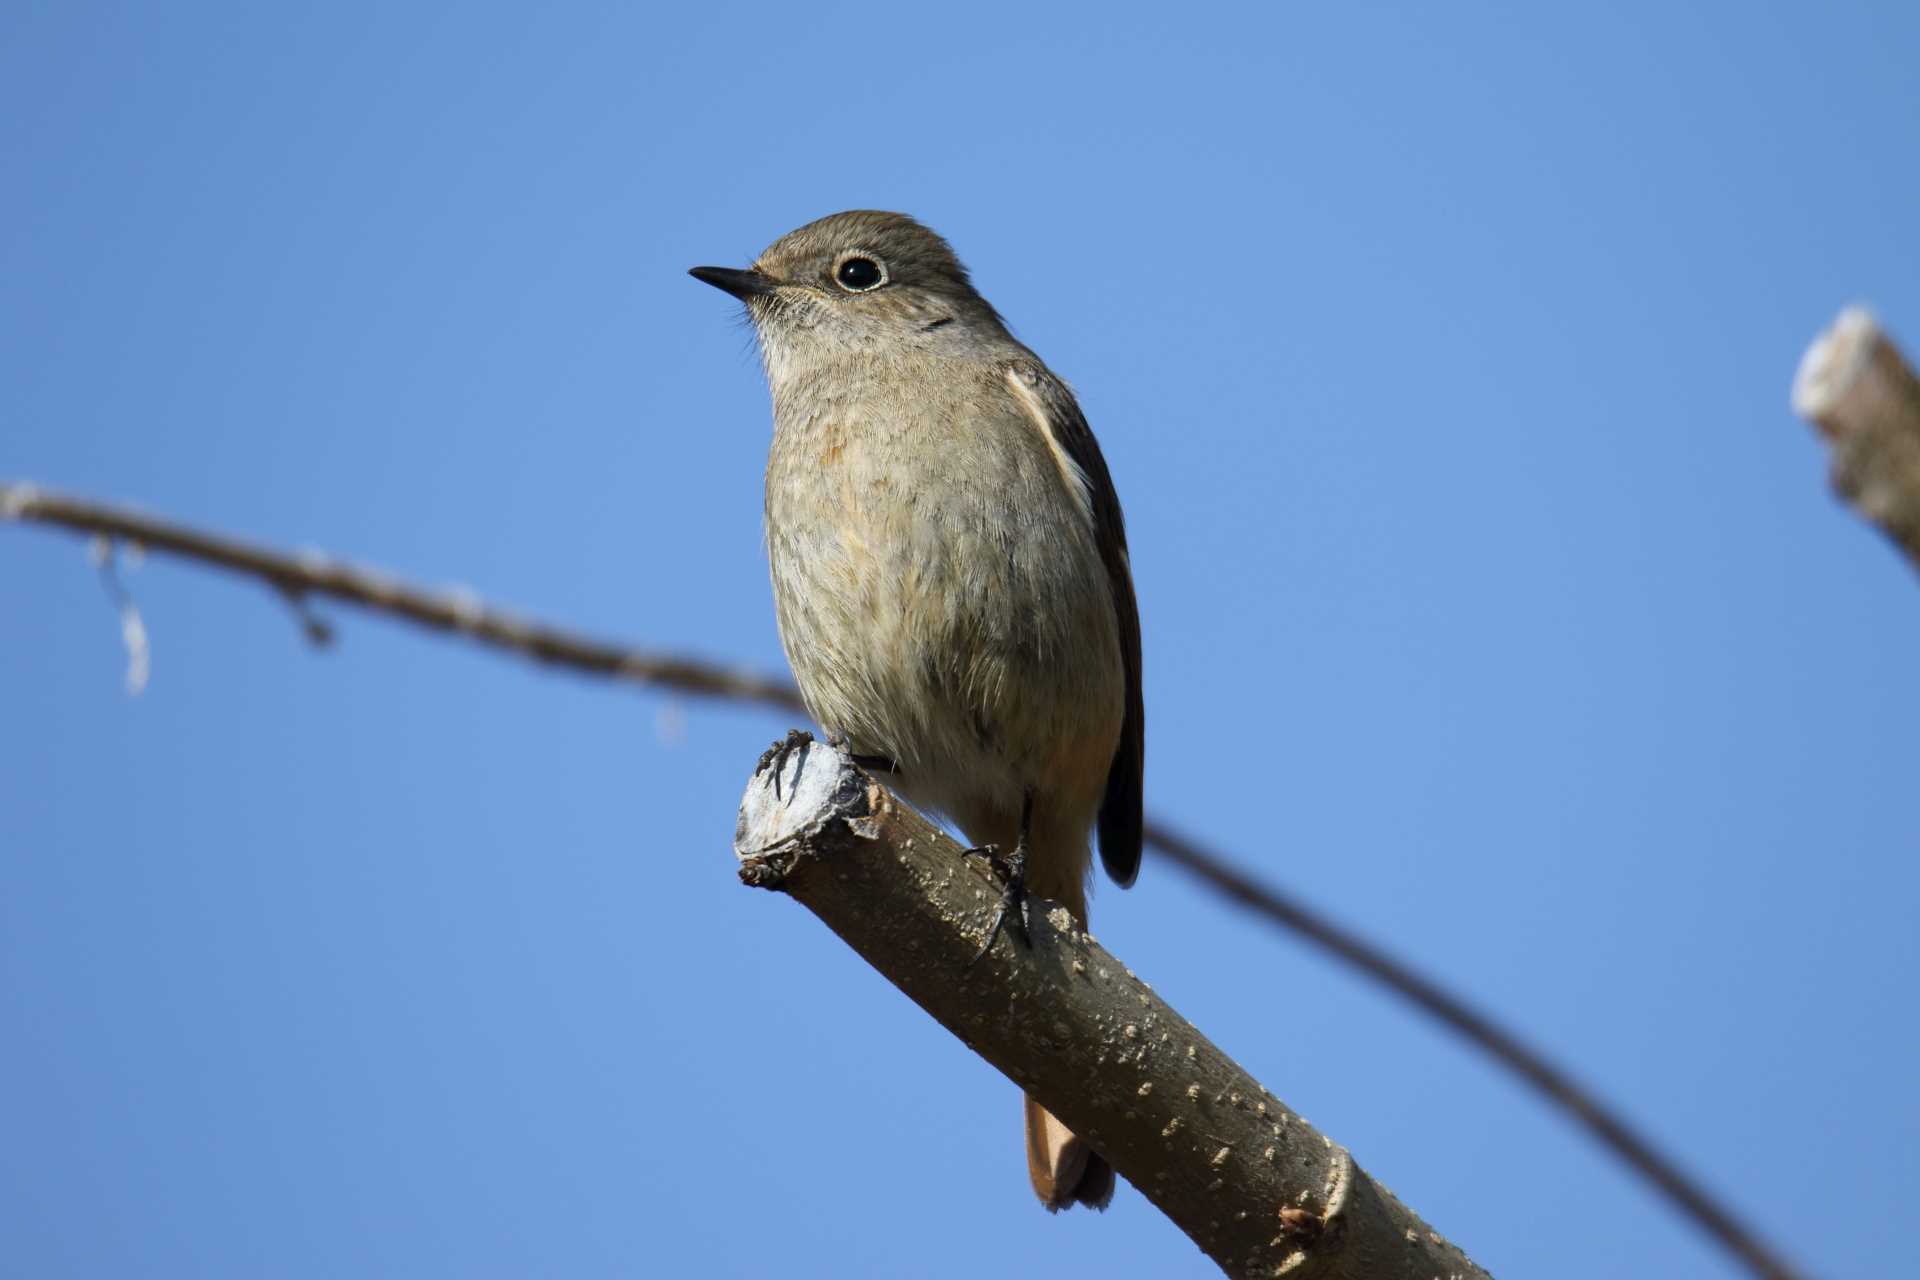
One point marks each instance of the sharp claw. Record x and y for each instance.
(1014, 914)
(776, 756)
(986, 946)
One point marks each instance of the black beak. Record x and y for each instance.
(741, 284)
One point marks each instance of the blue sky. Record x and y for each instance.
(1492, 601)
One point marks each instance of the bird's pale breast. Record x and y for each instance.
(940, 593)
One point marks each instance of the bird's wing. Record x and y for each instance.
(1061, 417)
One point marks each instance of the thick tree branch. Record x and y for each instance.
(1855, 387)
(1255, 1186)
(298, 577)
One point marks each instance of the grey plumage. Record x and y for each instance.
(949, 564)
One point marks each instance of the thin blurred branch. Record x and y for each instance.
(1251, 1183)
(1495, 1040)
(299, 577)
(1855, 387)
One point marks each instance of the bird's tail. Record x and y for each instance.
(1065, 1170)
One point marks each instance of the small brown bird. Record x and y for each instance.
(950, 569)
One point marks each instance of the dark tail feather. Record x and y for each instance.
(1120, 808)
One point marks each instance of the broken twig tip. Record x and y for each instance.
(1833, 364)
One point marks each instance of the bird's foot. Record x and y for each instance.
(1012, 914)
(776, 756)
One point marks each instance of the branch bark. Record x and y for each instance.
(1256, 1187)
(1855, 387)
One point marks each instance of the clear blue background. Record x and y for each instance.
(1493, 601)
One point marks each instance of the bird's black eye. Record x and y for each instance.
(858, 274)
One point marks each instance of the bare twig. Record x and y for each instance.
(296, 577)
(1254, 1185)
(300, 576)
(1855, 387)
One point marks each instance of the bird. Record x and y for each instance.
(950, 572)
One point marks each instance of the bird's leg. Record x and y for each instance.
(1012, 868)
(775, 757)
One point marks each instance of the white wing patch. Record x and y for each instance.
(1070, 472)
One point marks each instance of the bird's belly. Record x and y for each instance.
(956, 631)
